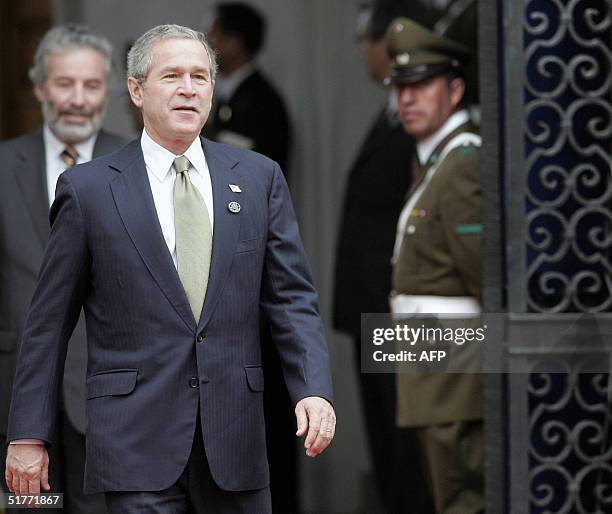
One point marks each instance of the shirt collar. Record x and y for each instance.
(159, 160)
(426, 147)
(226, 85)
(53, 146)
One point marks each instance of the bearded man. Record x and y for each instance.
(70, 74)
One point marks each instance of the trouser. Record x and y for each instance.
(453, 457)
(195, 492)
(66, 471)
(394, 450)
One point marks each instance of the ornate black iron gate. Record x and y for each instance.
(546, 89)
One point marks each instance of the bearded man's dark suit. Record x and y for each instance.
(152, 368)
(24, 229)
(376, 191)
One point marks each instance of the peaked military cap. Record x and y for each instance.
(417, 53)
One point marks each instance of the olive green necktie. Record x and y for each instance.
(193, 237)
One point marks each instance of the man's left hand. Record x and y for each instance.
(316, 415)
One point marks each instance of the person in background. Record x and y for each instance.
(377, 185)
(248, 111)
(437, 256)
(70, 74)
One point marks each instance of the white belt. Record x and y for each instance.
(430, 304)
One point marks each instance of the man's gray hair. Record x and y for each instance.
(140, 56)
(67, 37)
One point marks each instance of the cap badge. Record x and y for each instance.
(403, 59)
(398, 27)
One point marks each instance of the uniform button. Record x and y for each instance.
(201, 338)
(194, 382)
(411, 229)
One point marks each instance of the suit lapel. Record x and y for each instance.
(107, 143)
(30, 176)
(227, 225)
(103, 145)
(134, 201)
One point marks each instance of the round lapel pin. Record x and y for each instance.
(234, 207)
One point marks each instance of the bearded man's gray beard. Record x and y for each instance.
(72, 133)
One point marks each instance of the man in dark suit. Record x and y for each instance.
(248, 112)
(172, 244)
(377, 186)
(70, 75)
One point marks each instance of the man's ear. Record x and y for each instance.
(135, 89)
(457, 90)
(39, 92)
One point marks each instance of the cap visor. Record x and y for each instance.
(412, 74)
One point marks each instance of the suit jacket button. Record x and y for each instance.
(194, 382)
(201, 338)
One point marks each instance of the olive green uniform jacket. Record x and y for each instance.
(440, 255)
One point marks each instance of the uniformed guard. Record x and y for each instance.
(437, 256)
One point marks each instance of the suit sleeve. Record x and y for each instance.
(290, 301)
(53, 313)
(461, 216)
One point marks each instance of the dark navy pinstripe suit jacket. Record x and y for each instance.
(106, 252)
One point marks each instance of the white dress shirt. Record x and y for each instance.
(427, 146)
(54, 163)
(162, 174)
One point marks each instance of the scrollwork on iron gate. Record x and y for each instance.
(570, 462)
(568, 141)
(568, 144)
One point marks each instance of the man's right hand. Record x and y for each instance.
(27, 469)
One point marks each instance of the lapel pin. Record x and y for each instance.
(234, 207)
(235, 188)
